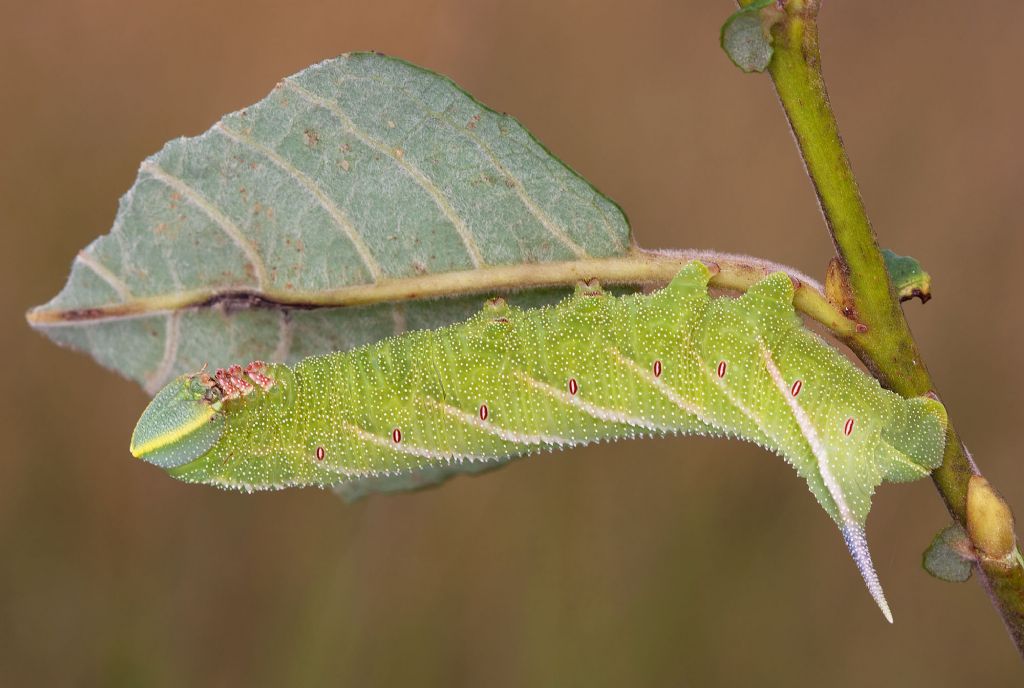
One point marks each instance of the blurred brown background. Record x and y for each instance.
(682, 562)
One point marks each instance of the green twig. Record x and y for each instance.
(859, 285)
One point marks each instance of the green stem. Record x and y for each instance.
(859, 283)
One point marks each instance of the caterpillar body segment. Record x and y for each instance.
(416, 408)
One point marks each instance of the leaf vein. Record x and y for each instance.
(414, 172)
(516, 184)
(172, 338)
(106, 274)
(313, 188)
(199, 201)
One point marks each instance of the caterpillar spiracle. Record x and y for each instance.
(509, 382)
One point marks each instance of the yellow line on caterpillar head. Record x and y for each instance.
(172, 435)
(178, 426)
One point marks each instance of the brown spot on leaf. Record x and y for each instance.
(312, 137)
(76, 314)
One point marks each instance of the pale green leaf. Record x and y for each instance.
(361, 171)
(949, 556)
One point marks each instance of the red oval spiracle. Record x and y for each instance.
(573, 386)
(657, 369)
(721, 368)
(396, 435)
(320, 453)
(483, 412)
(797, 386)
(848, 428)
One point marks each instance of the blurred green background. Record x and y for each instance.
(675, 562)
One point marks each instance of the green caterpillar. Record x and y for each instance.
(510, 382)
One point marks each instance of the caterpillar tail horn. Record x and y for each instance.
(857, 542)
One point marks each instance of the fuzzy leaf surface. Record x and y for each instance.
(358, 173)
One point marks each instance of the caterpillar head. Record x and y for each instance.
(181, 422)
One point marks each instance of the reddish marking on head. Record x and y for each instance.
(503, 321)
(848, 428)
(396, 435)
(320, 453)
(257, 373)
(721, 368)
(483, 412)
(232, 382)
(222, 377)
(573, 386)
(657, 369)
(797, 386)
